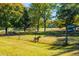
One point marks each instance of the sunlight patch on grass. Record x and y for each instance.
(23, 46)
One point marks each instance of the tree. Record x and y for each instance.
(26, 22)
(46, 12)
(43, 10)
(67, 12)
(35, 11)
(10, 12)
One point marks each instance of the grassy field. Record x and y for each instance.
(22, 45)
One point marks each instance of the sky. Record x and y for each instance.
(53, 13)
(26, 4)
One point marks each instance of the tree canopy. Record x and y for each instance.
(10, 14)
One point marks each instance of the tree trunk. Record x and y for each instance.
(38, 26)
(66, 37)
(44, 25)
(24, 29)
(6, 30)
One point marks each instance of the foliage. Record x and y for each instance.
(39, 11)
(68, 12)
(10, 14)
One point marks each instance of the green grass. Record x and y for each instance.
(23, 46)
(14, 46)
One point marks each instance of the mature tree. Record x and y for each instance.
(35, 15)
(46, 12)
(67, 12)
(41, 10)
(10, 12)
(26, 22)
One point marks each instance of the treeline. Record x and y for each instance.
(13, 15)
(16, 15)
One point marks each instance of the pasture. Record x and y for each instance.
(49, 44)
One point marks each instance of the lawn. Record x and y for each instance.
(22, 45)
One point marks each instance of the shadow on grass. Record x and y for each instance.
(65, 49)
(47, 33)
(58, 45)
